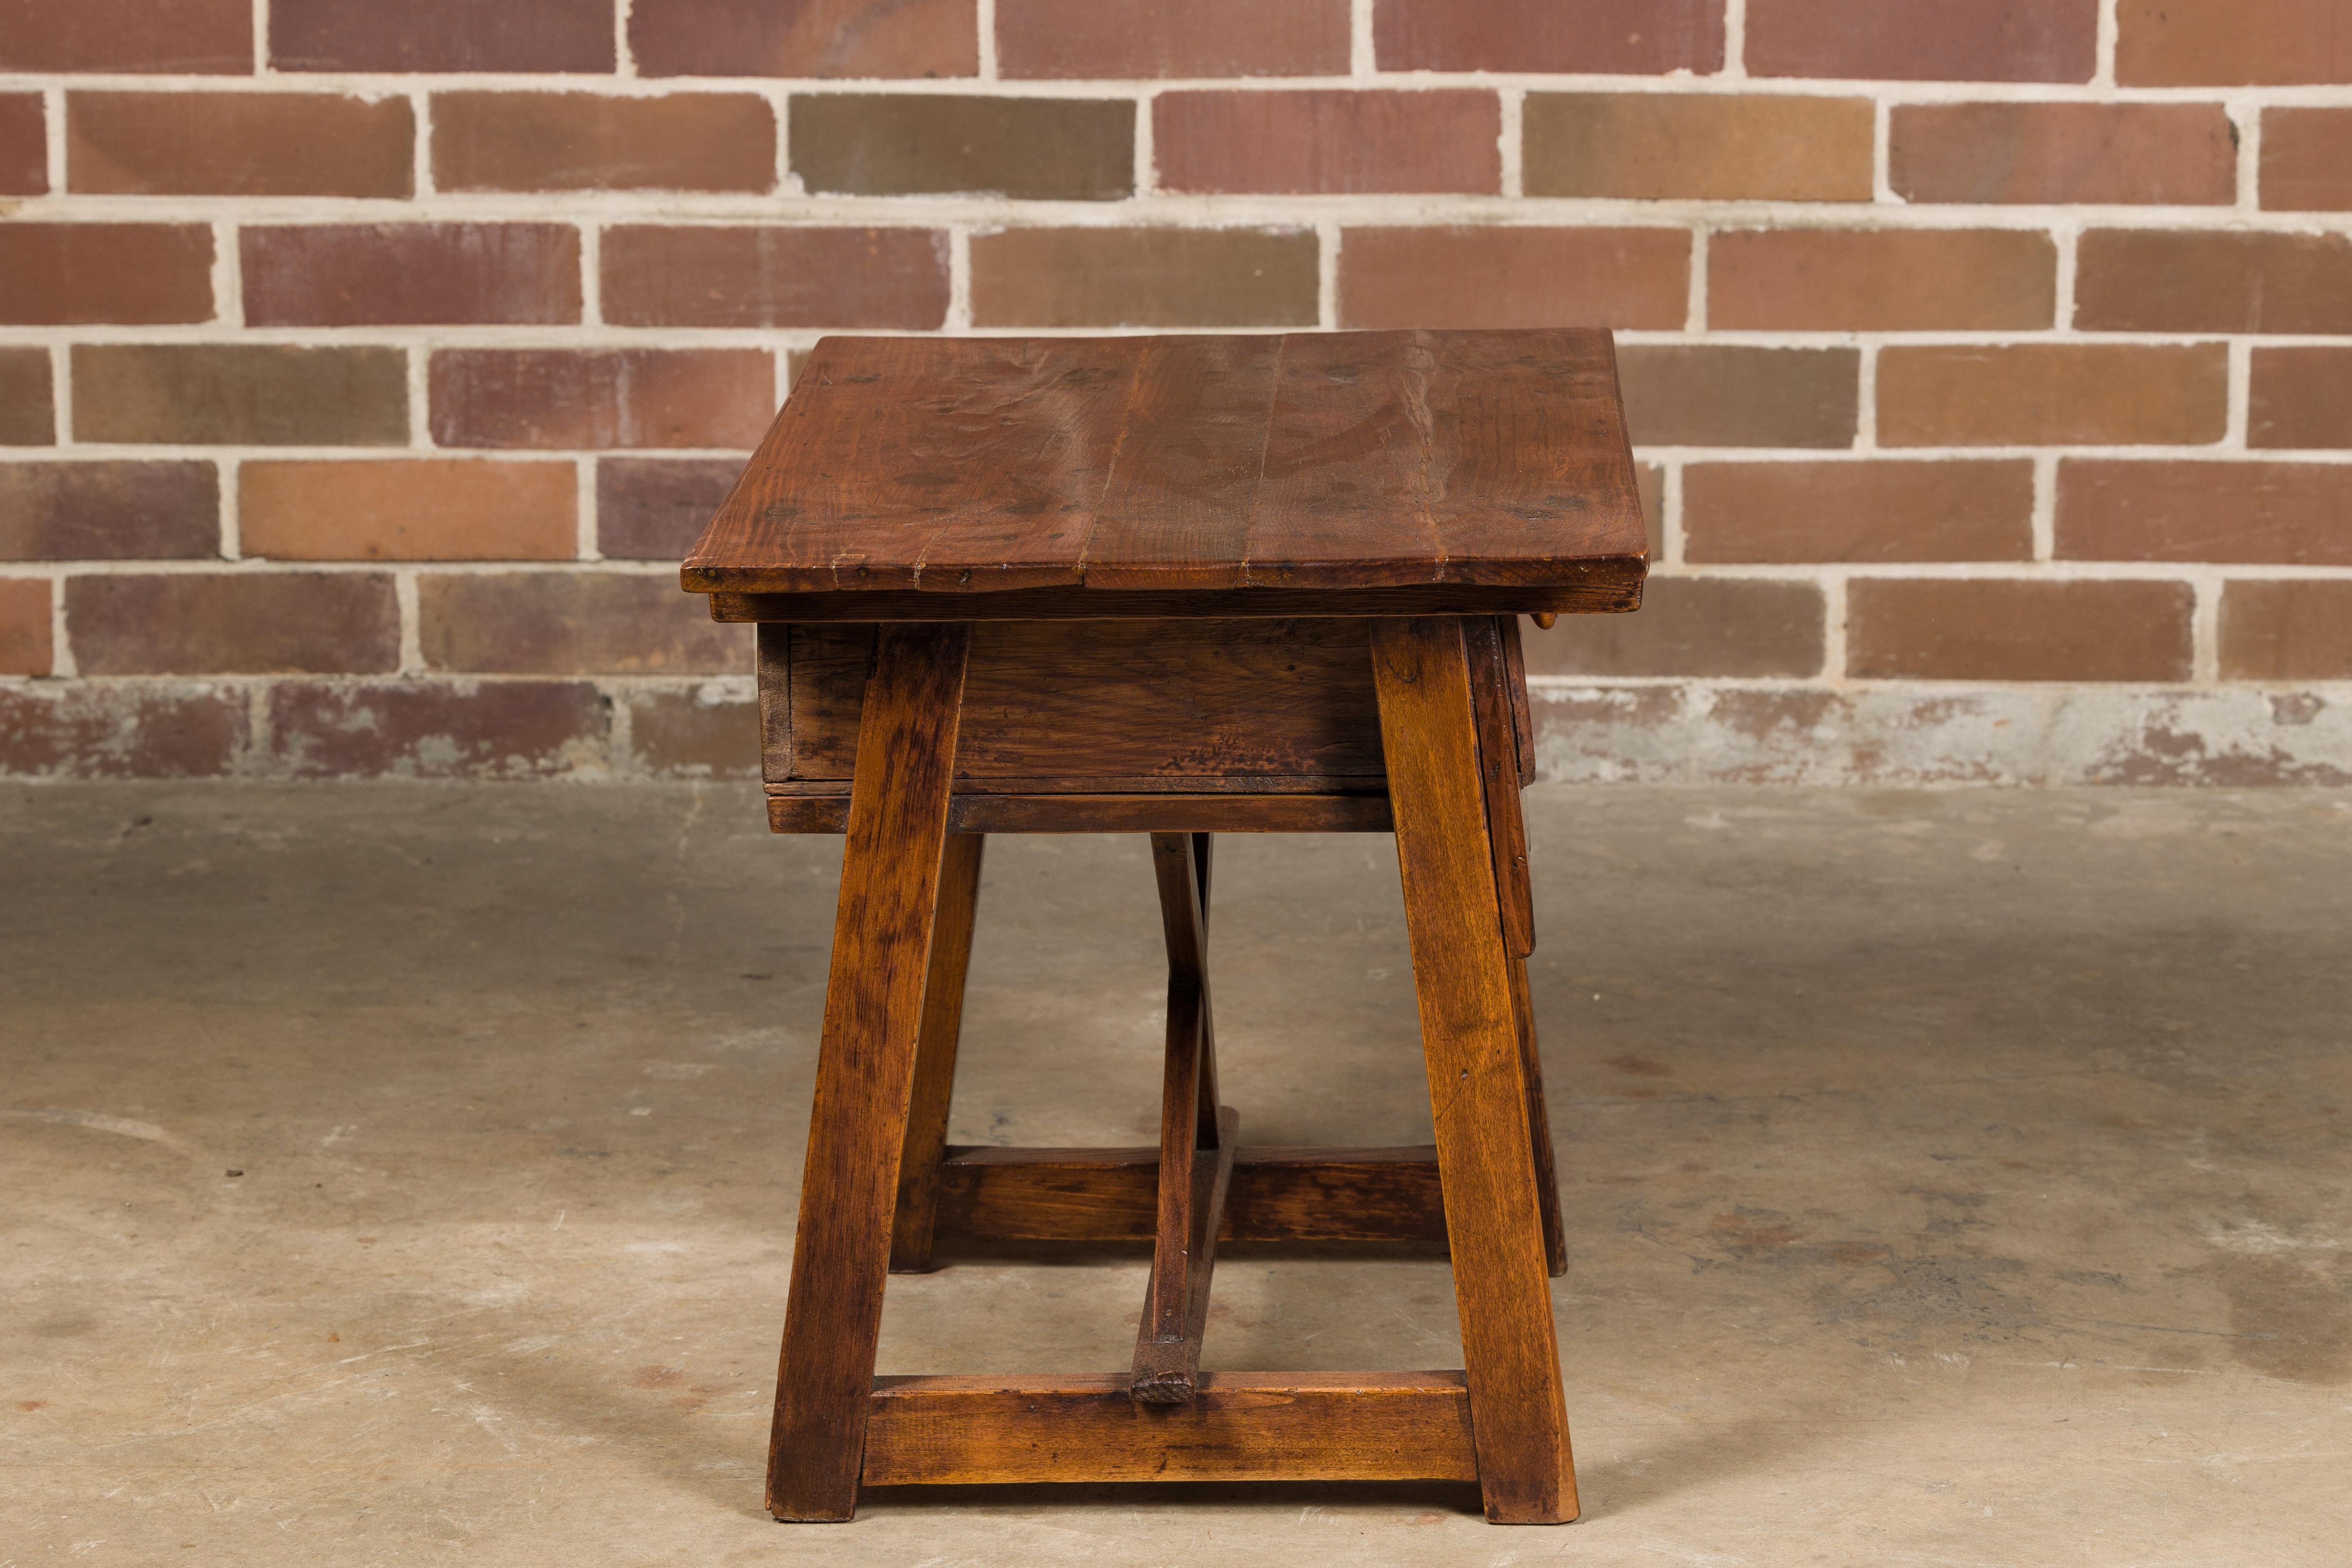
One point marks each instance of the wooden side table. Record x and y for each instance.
(1176, 585)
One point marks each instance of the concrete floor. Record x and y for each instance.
(406, 1175)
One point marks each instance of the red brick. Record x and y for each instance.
(1645, 146)
(240, 394)
(27, 412)
(1727, 626)
(1924, 40)
(2306, 160)
(2180, 154)
(574, 623)
(408, 508)
(922, 144)
(185, 36)
(1881, 281)
(809, 38)
(1329, 141)
(2290, 630)
(2227, 43)
(24, 145)
(2035, 394)
(1145, 277)
(239, 144)
(131, 274)
(2160, 280)
(1863, 512)
(597, 398)
(1123, 40)
(441, 35)
(772, 276)
(1508, 276)
(584, 141)
(121, 729)
(24, 639)
(653, 508)
(233, 622)
(406, 274)
(2017, 629)
(109, 511)
(1730, 395)
(705, 733)
(435, 728)
(2286, 514)
(2300, 397)
(1615, 38)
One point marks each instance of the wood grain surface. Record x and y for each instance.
(1596, 587)
(865, 1070)
(935, 1054)
(975, 466)
(1113, 813)
(1274, 1195)
(1238, 1426)
(1477, 1080)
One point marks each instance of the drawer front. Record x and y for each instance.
(1090, 706)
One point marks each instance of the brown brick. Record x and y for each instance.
(1619, 38)
(233, 622)
(909, 145)
(121, 729)
(239, 144)
(441, 35)
(2300, 397)
(653, 508)
(2284, 514)
(2158, 280)
(1867, 511)
(1145, 277)
(1648, 146)
(240, 394)
(584, 142)
(1327, 141)
(1881, 281)
(2015, 629)
(132, 274)
(1924, 40)
(27, 414)
(574, 623)
(2180, 154)
(1508, 276)
(1692, 626)
(705, 733)
(811, 38)
(2306, 160)
(2292, 630)
(409, 508)
(1724, 395)
(2227, 43)
(192, 36)
(435, 728)
(406, 274)
(2035, 394)
(109, 511)
(25, 639)
(738, 275)
(596, 398)
(24, 145)
(1122, 40)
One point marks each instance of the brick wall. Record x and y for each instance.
(364, 368)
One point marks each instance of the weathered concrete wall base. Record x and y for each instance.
(1663, 732)
(439, 728)
(1691, 734)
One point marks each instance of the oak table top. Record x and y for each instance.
(1148, 475)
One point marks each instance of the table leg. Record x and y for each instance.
(935, 1057)
(1477, 1075)
(866, 1067)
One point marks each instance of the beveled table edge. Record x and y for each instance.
(1608, 585)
